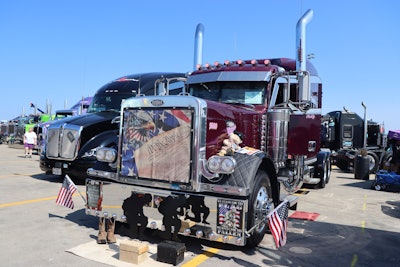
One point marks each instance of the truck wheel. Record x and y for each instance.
(377, 187)
(325, 176)
(373, 162)
(328, 170)
(260, 192)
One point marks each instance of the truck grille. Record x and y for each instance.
(63, 141)
(156, 144)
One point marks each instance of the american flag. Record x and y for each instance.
(64, 197)
(234, 218)
(278, 221)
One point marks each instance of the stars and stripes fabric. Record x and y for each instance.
(278, 222)
(221, 214)
(64, 197)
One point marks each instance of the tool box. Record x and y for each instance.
(171, 252)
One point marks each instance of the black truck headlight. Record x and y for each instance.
(106, 154)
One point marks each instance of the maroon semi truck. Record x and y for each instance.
(214, 161)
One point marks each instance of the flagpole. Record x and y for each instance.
(71, 182)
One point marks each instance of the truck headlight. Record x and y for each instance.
(213, 164)
(228, 165)
(218, 164)
(106, 154)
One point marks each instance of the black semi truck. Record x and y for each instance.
(343, 132)
(71, 143)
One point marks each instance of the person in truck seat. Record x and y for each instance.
(30, 141)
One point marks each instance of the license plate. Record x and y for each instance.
(94, 194)
(57, 171)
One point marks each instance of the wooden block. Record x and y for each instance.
(186, 224)
(132, 257)
(135, 246)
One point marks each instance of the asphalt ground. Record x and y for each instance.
(355, 226)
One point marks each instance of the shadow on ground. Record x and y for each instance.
(325, 244)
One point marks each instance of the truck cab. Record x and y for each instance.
(344, 134)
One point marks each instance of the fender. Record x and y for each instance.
(322, 156)
(106, 138)
(268, 165)
(257, 162)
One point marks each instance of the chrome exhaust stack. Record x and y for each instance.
(198, 45)
(301, 58)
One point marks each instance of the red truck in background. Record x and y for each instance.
(214, 161)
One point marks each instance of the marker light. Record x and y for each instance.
(212, 236)
(199, 234)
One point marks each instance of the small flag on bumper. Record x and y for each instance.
(278, 222)
(64, 197)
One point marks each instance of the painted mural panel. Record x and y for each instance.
(156, 144)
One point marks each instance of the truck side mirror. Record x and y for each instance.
(331, 131)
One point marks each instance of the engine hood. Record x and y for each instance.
(89, 118)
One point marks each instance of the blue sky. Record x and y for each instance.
(58, 51)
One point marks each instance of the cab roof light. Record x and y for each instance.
(208, 66)
(240, 62)
(198, 66)
(217, 64)
(254, 62)
(227, 63)
(267, 62)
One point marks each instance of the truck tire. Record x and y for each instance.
(326, 175)
(373, 162)
(260, 192)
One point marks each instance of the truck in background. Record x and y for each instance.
(30, 121)
(344, 134)
(71, 143)
(214, 162)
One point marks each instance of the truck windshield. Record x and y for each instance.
(107, 102)
(251, 93)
